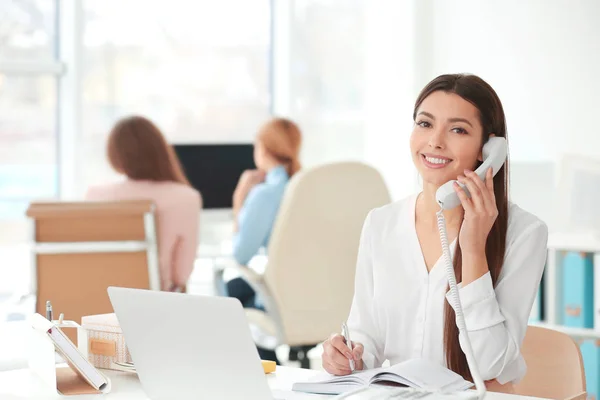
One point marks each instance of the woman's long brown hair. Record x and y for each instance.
(491, 115)
(138, 149)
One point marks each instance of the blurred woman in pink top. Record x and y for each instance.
(138, 150)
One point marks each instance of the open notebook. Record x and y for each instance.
(416, 373)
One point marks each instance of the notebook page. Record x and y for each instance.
(386, 377)
(426, 374)
(358, 377)
(328, 384)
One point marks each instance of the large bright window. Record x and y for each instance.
(29, 73)
(199, 69)
(28, 105)
(327, 77)
(27, 142)
(27, 30)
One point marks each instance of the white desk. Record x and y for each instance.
(22, 384)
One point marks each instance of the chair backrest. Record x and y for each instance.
(314, 244)
(82, 248)
(554, 365)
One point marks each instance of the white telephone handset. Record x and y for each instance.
(494, 155)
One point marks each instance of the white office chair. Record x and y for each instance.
(308, 282)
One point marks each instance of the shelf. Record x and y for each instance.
(574, 242)
(575, 332)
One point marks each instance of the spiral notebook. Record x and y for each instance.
(415, 373)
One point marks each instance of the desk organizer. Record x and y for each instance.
(104, 342)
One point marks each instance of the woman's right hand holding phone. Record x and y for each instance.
(337, 355)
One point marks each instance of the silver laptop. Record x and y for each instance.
(190, 347)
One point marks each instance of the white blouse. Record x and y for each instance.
(398, 307)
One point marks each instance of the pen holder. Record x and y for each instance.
(104, 343)
(44, 361)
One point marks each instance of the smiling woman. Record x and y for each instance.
(400, 287)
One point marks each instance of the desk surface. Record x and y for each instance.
(22, 384)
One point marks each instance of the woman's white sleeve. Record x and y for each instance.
(496, 318)
(363, 322)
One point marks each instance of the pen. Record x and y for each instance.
(346, 334)
(48, 310)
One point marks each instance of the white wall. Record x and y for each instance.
(542, 57)
(392, 85)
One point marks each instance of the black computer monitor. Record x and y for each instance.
(214, 169)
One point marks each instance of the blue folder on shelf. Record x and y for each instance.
(578, 290)
(537, 310)
(590, 351)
